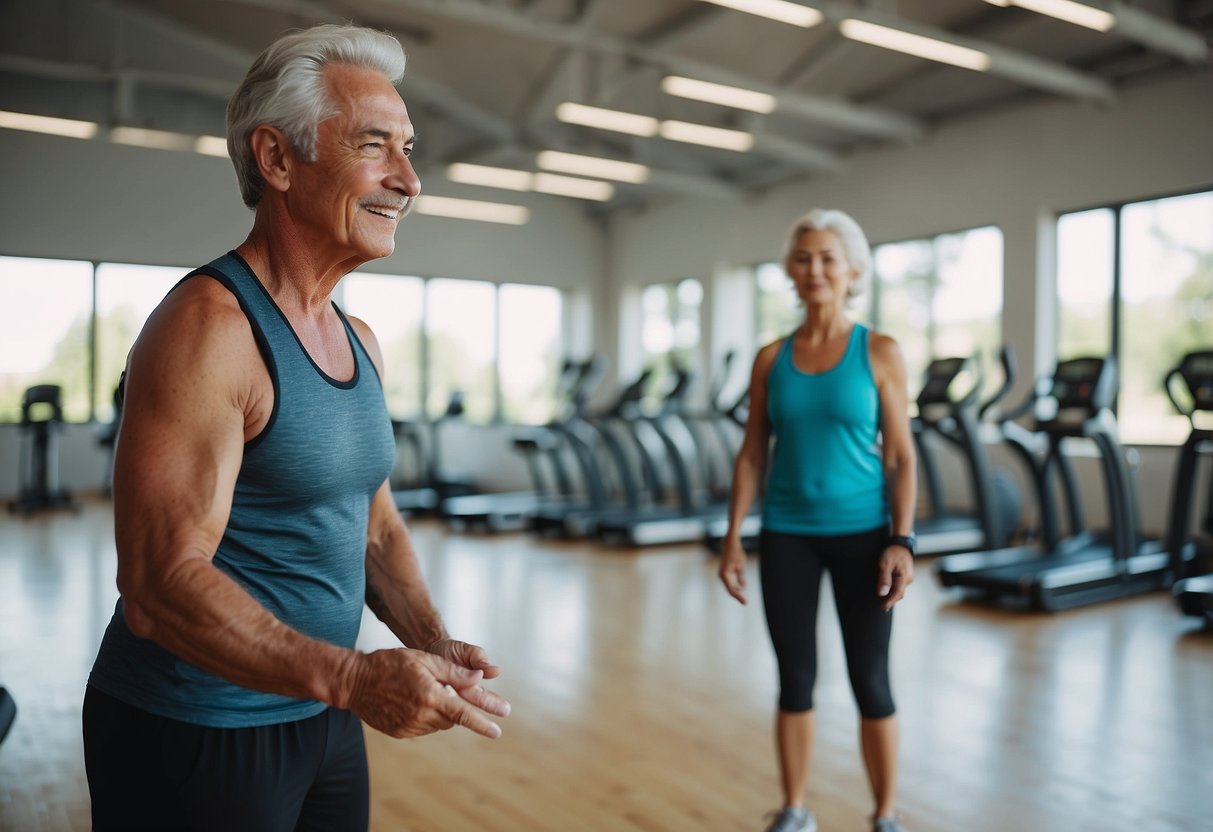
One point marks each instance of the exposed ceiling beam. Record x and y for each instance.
(445, 100)
(1011, 64)
(90, 73)
(870, 121)
(671, 32)
(1158, 33)
(172, 29)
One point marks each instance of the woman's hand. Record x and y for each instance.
(732, 568)
(896, 575)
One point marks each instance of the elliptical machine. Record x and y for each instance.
(1192, 555)
(39, 486)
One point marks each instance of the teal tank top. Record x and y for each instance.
(827, 476)
(296, 538)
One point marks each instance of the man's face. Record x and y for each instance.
(355, 192)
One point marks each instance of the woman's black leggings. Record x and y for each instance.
(791, 566)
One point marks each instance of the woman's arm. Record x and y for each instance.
(889, 369)
(748, 473)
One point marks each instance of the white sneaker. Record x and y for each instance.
(794, 819)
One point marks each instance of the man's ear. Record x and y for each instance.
(271, 152)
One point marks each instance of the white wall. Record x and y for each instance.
(1015, 169)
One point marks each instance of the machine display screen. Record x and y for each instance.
(1081, 369)
(1199, 365)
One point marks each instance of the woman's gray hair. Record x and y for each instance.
(285, 88)
(854, 242)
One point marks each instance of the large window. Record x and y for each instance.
(73, 323)
(1136, 280)
(670, 329)
(529, 360)
(45, 334)
(942, 297)
(393, 307)
(779, 310)
(126, 296)
(461, 328)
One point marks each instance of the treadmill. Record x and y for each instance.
(950, 411)
(1192, 556)
(610, 483)
(1084, 567)
(668, 447)
(542, 449)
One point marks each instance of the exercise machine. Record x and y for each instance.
(41, 420)
(677, 514)
(435, 484)
(1192, 554)
(1084, 567)
(949, 410)
(543, 450)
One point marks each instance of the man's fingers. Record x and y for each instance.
(485, 700)
(449, 673)
(460, 713)
(474, 657)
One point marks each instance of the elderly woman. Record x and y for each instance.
(840, 498)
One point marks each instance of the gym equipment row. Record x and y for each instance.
(1061, 571)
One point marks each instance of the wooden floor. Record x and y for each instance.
(643, 699)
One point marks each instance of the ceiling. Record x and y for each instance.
(485, 76)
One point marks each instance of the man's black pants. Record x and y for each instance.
(151, 772)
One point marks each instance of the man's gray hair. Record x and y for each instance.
(854, 242)
(285, 88)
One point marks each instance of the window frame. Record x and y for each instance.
(1116, 333)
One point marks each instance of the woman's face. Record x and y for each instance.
(820, 270)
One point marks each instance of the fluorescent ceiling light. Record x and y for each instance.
(552, 183)
(681, 131)
(472, 209)
(521, 180)
(211, 146)
(633, 123)
(758, 102)
(511, 180)
(780, 10)
(1067, 10)
(45, 124)
(917, 45)
(155, 139)
(593, 166)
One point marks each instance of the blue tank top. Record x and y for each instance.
(827, 476)
(296, 538)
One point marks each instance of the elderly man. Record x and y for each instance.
(252, 512)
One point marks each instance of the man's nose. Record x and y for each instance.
(403, 178)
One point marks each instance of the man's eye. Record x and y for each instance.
(408, 150)
(375, 145)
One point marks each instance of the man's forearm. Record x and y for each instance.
(397, 593)
(203, 616)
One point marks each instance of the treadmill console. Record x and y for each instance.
(1197, 372)
(1085, 383)
(940, 375)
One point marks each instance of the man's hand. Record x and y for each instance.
(410, 693)
(896, 575)
(465, 655)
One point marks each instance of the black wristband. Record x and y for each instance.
(907, 540)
